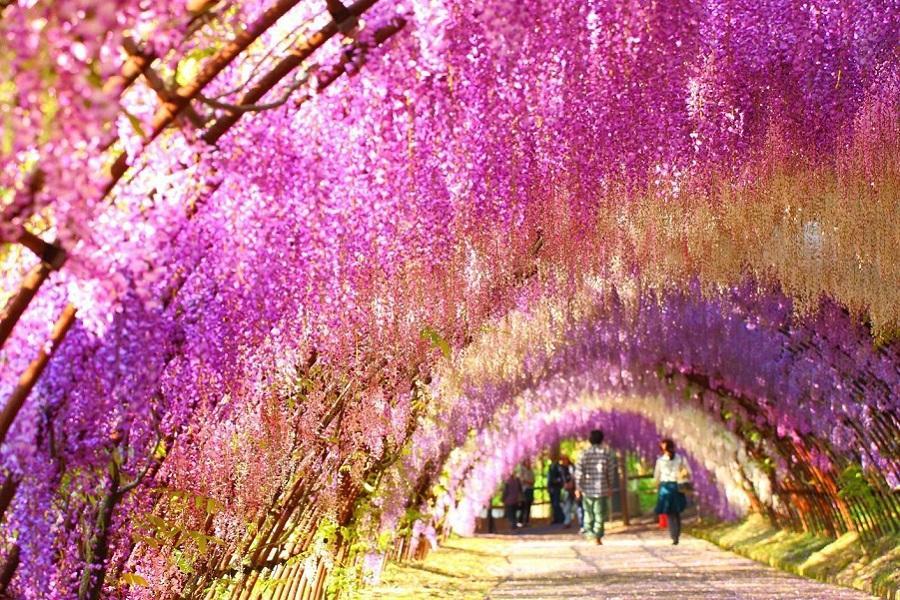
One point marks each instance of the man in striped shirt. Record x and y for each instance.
(594, 475)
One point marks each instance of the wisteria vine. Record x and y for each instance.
(315, 247)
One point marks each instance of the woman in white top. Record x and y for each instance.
(671, 469)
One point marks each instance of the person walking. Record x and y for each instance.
(554, 488)
(672, 475)
(512, 500)
(526, 477)
(594, 475)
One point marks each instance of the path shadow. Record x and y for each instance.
(443, 573)
(639, 525)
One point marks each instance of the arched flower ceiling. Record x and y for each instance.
(289, 313)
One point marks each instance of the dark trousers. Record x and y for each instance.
(512, 514)
(525, 507)
(674, 525)
(556, 505)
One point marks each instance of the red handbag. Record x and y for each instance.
(663, 521)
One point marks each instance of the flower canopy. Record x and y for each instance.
(287, 279)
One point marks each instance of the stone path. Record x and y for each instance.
(642, 563)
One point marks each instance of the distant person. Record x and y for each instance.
(512, 500)
(568, 491)
(554, 488)
(526, 477)
(671, 473)
(594, 483)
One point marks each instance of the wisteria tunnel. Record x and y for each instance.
(290, 286)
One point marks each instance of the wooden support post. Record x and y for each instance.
(8, 570)
(281, 70)
(179, 101)
(33, 372)
(50, 253)
(306, 587)
(164, 116)
(13, 310)
(295, 587)
(7, 493)
(623, 476)
(555, 451)
(491, 526)
(283, 589)
(134, 65)
(318, 591)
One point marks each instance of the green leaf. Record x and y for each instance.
(162, 527)
(430, 335)
(150, 541)
(134, 579)
(93, 76)
(157, 522)
(384, 540)
(188, 69)
(184, 564)
(135, 123)
(159, 452)
(212, 506)
(202, 544)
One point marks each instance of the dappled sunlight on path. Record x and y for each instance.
(639, 562)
